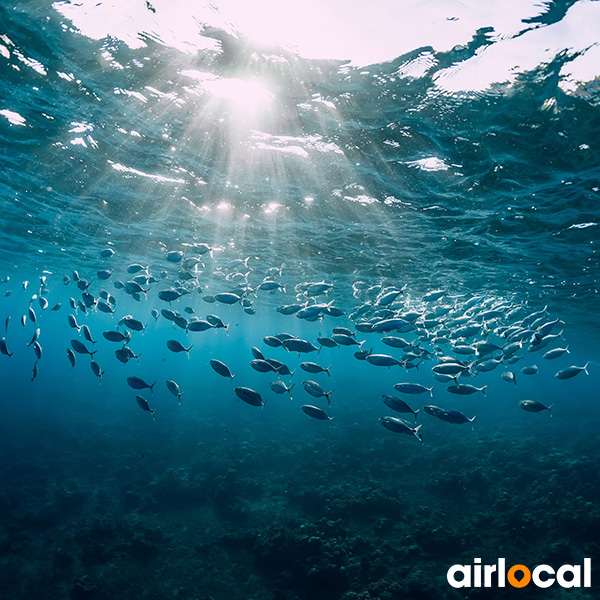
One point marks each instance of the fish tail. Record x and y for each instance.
(92, 353)
(585, 367)
(152, 387)
(567, 350)
(430, 391)
(416, 412)
(550, 409)
(187, 350)
(418, 435)
(327, 396)
(327, 370)
(483, 389)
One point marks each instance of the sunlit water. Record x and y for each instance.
(450, 147)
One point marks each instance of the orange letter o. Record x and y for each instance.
(514, 581)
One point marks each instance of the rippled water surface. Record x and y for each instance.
(415, 147)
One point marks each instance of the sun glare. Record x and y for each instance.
(245, 96)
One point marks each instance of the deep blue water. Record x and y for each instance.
(464, 159)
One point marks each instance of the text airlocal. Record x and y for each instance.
(518, 576)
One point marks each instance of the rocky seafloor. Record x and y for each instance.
(207, 511)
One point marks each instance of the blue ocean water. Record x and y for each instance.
(297, 146)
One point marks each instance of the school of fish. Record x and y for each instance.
(456, 336)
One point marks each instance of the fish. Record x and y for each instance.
(555, 353)
(227, 298)
(173, 387)
(43, 302)
(450, 368)
(314, 389)
(155, 314)
(4, 349)
(31, 314)
(450, 416)
(311, 367)
(382, 360)
(217, 322)
(279, 387)
(139, 384)
(311, 311)
(262, 366)
(280, 367)
(390, 325)
(97, 370)
(346, 340)
(362, 354)
(37, 349)
(299, 346)
(175, 346)
(272, 341)
(434, 295)
(256, 353)
(34, 372)
(413, 388)
(529, 370)
(315, 412)
(199, 325)
(143, 404)
(87, 334)
(174, 256)
(132, 323)
(104, 307)
(36, 335)
(327, 342)
(289, 309)
(125, 354)
(116, 336)
(396, 342)
(510, 377)
(387, 297)
(104, 274)
(398, 405)
(169, 295)
(81, 348)
(534, 406)
(6, 323)
(133, 287)
(400, 426)
(71, 357)
(107, 252)
(571, 371)
(465, 389)
(271, 286)
(315, 289)
(135, 268)
(221, 368)
(249, 396)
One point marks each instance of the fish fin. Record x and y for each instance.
(418, 435)
(483, 389)
(327, 396)
(550, 409)
(152, 387)
(585, 367)
(430, 391)
(416, 412)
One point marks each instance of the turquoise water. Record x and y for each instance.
(275, 146)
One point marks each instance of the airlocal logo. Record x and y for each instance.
(519, 576)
